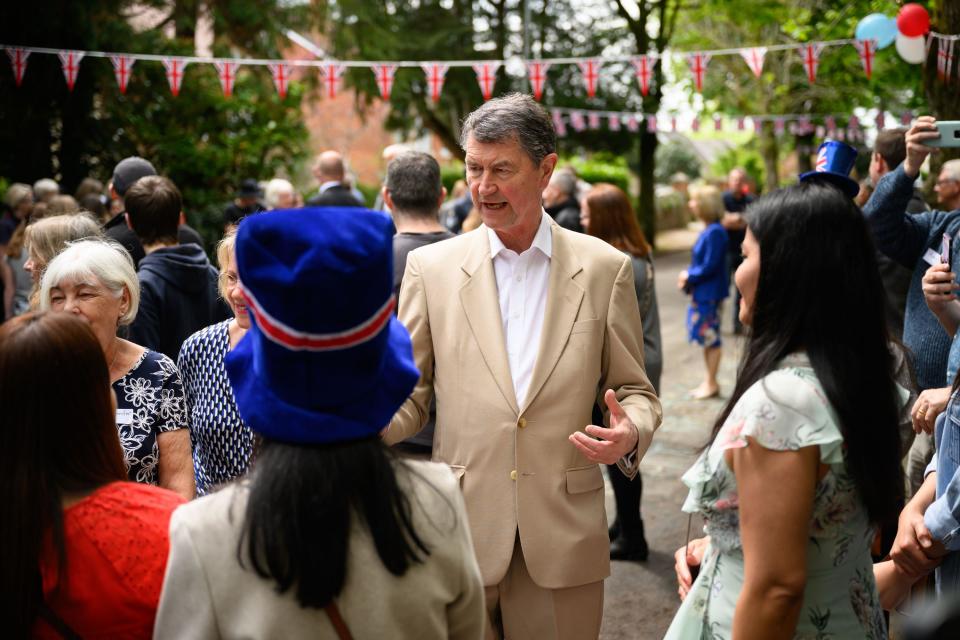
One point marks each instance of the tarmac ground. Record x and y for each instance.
(641, 598)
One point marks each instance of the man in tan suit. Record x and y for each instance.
(519, 328)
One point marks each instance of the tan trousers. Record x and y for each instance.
(519, 609)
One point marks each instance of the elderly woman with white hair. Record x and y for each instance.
(279, 194)
(95, 280)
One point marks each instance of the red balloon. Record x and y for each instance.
(913, 20)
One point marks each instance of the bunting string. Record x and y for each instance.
(795, 123)
(592, 69)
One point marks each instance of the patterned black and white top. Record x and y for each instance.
(150, 401)
(222, 443)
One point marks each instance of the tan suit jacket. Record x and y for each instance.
(516, 467)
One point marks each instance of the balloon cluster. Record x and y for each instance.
(907, 30)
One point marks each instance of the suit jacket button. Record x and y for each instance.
(513, 474)
(521, 423)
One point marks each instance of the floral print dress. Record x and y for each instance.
(150, 401)
(785, 411)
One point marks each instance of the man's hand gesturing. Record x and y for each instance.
(615, 442)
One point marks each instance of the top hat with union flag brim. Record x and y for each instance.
(325, 359)
(834, 163)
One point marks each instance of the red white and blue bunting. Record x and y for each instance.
(822, 125)
(592, 69)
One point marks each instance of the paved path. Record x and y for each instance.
(641, 598)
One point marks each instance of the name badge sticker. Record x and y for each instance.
(124, 416)
(931, 257)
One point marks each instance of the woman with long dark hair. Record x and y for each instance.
(81, 551)
(805, 457)
(606, 213)
(331, 535)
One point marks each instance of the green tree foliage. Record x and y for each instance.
(202, 140)
(603, 167)
(651, 25)
(435, 30)
(745, 157)
(943, 98)
(673, 158)
(840, 87)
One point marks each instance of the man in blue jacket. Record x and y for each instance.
(178, 285)
(914, 240)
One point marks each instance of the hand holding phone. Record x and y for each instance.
(946, 251)
(949, 134)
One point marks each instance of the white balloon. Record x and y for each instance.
(913, 50)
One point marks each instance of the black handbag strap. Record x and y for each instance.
(50, 617)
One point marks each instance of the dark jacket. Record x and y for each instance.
(403, 244)
(335, 196)
(896, 277)
(178, 296)
(566, 214)
(116, 229)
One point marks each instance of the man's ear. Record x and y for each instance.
(881, 163)
(182, 220)
(387, 200)
(443, 196)
(547, 166)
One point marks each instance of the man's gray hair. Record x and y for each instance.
(565, 181)
(94, 261)
(45, 188)
(513, 117)
(413, 182)
(952, 169)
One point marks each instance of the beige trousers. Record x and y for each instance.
(519, 609)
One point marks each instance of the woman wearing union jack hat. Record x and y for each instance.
(331, 535)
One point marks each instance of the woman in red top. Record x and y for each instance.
(82, 552)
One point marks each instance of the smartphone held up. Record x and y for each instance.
(949, 134)
(946, 251)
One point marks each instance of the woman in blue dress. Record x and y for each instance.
(222, 443)
(707, 282)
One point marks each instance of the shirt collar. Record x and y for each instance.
(329, 183)
(542, 241)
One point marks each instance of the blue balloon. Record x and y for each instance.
(879, 28)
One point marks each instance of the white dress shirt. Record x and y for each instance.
(522, 283)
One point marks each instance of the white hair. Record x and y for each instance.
(103, 261)
(276, 188)
(951, 168)
(45, 188)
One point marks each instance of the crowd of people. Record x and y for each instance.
(392, 420)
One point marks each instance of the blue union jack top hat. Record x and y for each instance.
(325, 359)
(834, 162)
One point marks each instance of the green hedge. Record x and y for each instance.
(602, 167)
(449, 174)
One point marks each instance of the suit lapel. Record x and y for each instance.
(480, 300)
(563, 301)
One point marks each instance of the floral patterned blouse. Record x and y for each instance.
(150, 401)
(785, 411)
